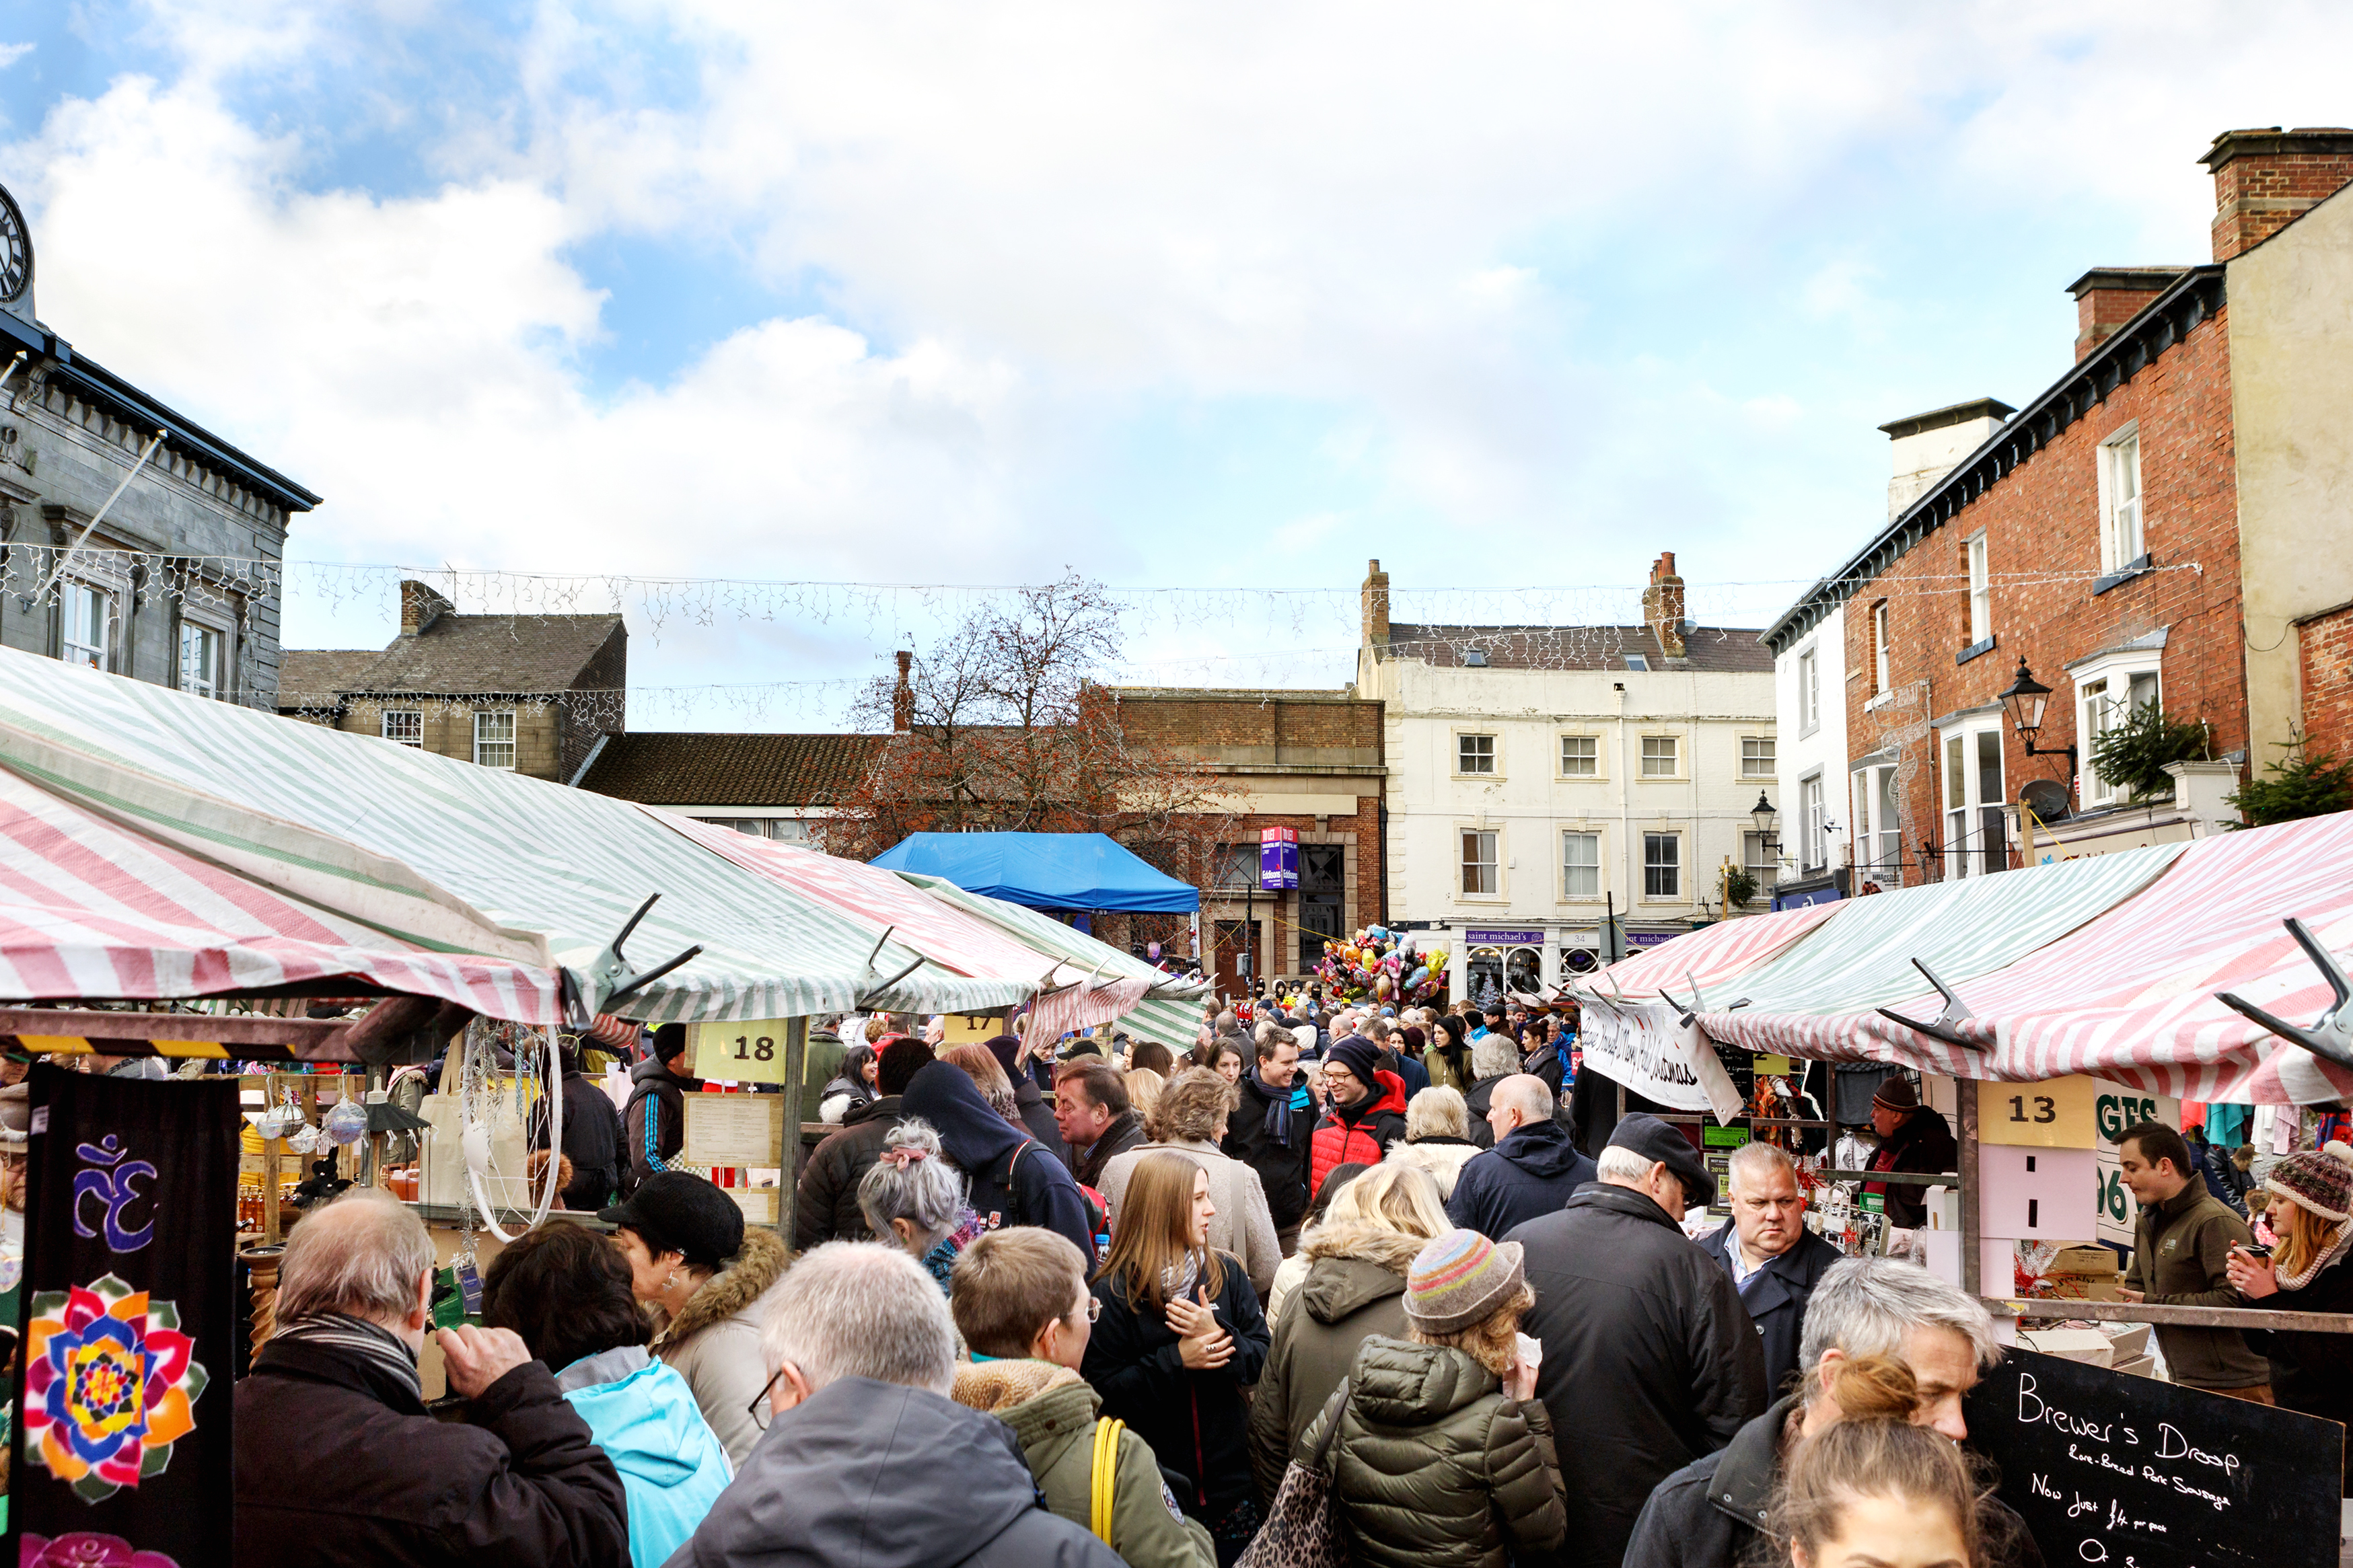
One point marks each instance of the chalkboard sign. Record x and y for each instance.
(2107, 1467)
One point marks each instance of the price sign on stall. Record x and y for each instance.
(752, 1052)
(2056, 1114)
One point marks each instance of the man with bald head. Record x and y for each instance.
(1772, 1258)
(1531, 1169)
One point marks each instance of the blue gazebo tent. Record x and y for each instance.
(1043, 870)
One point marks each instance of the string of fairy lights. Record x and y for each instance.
(1187, 631)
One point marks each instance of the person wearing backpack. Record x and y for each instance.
(1014, 1181)
(1022, 1303)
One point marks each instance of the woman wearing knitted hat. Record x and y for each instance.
(2312, 1209)
(1444, 1455)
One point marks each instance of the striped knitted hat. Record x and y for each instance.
(2318, 1182)
(1459, 1280)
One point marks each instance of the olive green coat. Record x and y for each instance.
(1435, 1468)
(1355, 1288)
(1054, 1413)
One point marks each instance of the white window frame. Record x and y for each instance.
(1463, 739)
(384, 726)
(1763, 865)
(1569, 892)
(107, 599)
(2123, 530)
(1980, 590)
(1673, 865)
(1494, 863)
(1675, 743)
(1755, 749)
(1810, 691)
(222, 627)
(488, 747)
(1878, 836)
(1590, 774)
(1814, 813)
(2102, 686)
(1970, 821)
(1879, 641)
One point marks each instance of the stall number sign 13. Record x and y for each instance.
(750, 1051)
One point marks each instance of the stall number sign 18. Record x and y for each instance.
(746, 1051)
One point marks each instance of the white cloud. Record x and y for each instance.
(11, 53)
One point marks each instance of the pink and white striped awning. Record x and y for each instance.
(1707, 957)
(91, 910)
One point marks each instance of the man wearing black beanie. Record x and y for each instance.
(653, 1124)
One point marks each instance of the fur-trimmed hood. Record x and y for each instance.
(758, 1264)
(1393, 1250)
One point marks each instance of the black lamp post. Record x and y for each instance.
(1762, 815)
(2024, 701)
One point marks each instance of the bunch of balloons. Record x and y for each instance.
(1380, 966)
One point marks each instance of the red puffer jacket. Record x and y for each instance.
(1360, 1134)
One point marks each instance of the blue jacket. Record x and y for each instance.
(1532, 1171)
(643, 1415)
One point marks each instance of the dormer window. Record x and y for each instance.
(1474, 658)
(1637, 661)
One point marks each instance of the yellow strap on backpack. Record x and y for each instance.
(1105, 1477)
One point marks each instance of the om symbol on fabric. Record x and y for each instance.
(114, 1193)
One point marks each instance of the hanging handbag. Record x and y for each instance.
(1302, 1525)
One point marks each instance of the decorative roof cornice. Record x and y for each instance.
(2164, 323)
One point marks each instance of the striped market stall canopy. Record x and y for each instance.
(2129, 996)
(1707, 957)
(435, 851)
(1152, 1004)
(90, 907)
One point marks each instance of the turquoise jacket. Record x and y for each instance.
(643, 1415)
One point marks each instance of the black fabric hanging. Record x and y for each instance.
(129, 1323)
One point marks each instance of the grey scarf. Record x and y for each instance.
(380, 1347)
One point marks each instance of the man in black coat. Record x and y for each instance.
(1270, 1131)
(371, 1478)
(1774, 1260)
(653, 1124)
(1706, 1514)
(1649, 1358)
(825, 1206)
(592, 1139)
(1532, 1169)
(1911, 1138)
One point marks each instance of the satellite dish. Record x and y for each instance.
(2046, 798)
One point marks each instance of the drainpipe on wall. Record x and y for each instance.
(1625, 819)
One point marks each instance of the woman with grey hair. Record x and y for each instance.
(1437, 1137)
(915, 1196)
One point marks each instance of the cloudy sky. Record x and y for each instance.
(1210, 296)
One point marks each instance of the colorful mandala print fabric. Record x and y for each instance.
(110, 1384)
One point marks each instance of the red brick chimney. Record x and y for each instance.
(1376, 606)
(2266, 178)
(420, 607)
(2108, 297)
(1662, 605)
(902, 697)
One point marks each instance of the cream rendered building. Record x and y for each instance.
(1540, 777)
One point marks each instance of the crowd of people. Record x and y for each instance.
(1066, 1303)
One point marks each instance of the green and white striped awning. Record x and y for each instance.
(1170, 1010)
(449, 856)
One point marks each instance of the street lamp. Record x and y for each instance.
(1762, 815)
(2024, 701)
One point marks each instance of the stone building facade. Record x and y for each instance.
(178, 583)
(532, 694)
(1311, 762)
(2150, 530)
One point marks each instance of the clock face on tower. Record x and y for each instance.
(16, 251)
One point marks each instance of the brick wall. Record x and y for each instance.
(1210, 722)
(2266, 179)
(2043, 519)
(2325, 650)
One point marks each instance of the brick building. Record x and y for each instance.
(769, 785)
(2166, 524)
(178, 583)
(1308, 761)
(534, 694)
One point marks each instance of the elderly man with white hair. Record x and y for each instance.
(1648, 1359)
(866, 1460)
(1493, 1058)
(1706, 1515)
(1533, 1168)
(337, 1461)
(1772, 1258)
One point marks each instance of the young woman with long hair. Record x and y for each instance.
(1871, 1489)
(1180, 1338)
(2310, 1271)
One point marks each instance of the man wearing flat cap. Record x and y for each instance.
(1911, 1138)
(1650, 1361)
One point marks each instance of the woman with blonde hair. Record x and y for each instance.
(1437, 1137)
(1179, 1339)
(1872, 1487)
(1143, 1087)
(987, 1074)
(1352, 1288)
(2312, 1211)
(1444, 1455)
(1189, 1117)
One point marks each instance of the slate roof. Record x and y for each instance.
(1713, 649)
(453, 656)
(696, 769)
